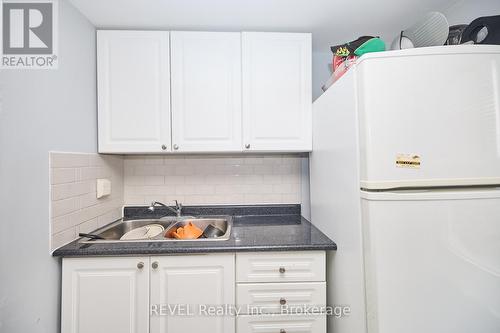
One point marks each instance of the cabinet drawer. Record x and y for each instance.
(255, 298)
(281, 323)
(280, 266)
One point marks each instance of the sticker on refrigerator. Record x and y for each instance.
(410, 161)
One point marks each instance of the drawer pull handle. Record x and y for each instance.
(282, 330)
(282, 301)
(282, 270)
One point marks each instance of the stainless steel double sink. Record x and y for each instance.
(113, 232)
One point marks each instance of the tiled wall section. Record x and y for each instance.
(74, 204)
(213, 179)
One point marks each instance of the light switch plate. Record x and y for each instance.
(103, 187)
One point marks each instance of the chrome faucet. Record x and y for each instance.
(177, 210)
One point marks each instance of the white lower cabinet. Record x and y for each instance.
(281, 266)
(146, 294)
(194, 293)
(105, 295)
(198, 284)
(281, 324)
(281, 292)
(272, 297)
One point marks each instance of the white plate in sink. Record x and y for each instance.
(145, 232)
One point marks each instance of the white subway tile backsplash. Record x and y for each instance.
(138, 180)
(65, 206)
(264, 169)
(134, 180)
(253, 179)
(292, 197)
(224, 179)
(69, 190)
(253, 160)
(69, 160)
(154, 160)
(275, 179)
(66, 221)
(195, 179)
(262, 198)
(204, 189)
(74, 204)
(88, 226)
(134, 200)
(195, 199)
(63, 175)
(154, 180)
(90, 199)
(174, 180)
(63, 237)
(173, 160)
(113, 215)
(283, 188)
(128, 170)
(135, 160)
(272, 160)
(92, 173)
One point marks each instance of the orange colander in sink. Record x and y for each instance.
(189, 231)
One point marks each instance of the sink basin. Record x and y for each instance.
(113, 232)
(222, 223)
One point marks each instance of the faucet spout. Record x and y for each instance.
(177, 210)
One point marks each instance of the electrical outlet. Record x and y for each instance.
(103, 188)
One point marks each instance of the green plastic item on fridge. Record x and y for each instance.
(371, 45)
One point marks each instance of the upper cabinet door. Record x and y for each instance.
(206, 91)
(133, 91)
(277, 98)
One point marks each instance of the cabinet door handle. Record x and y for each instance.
(140, 265)
(176, 147)
(282, 301)
(154, 265)
(282, 270)
(247, 146)
(163, 147)
(282, 330)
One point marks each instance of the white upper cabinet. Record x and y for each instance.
(277, 97)
(133, 91)
(206, 91)
(228, 91)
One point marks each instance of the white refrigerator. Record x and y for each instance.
(404, 169)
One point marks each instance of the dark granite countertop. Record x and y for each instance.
(255, 228)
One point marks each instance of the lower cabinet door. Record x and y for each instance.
(192, 294)
(281, 324)
(105, 295)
